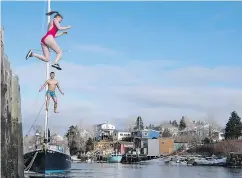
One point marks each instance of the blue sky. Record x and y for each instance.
(119, 47)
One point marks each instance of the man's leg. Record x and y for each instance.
(55, 103)
(47, 101)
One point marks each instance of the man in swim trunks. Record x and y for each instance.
(52, 83)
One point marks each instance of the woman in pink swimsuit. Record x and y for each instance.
(48, 41)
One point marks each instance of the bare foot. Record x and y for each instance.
(56, 112)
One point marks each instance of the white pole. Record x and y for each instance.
(47, 77)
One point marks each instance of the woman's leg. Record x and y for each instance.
(50, 41)
(45, 57)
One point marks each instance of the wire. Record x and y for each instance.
(35, 119)
(36, 101)
(52, 50)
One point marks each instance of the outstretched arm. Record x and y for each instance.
(59, 27)
(43, 86)
(59, 34)
(58, 86)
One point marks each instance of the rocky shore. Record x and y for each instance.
(234, 160)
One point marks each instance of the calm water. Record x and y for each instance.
(97, 170)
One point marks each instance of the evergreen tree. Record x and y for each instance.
(73, 137)
(233, 129)
(139, 125)
(166, 133)
(157, 128)
(182, 123)
(151, 126)
(174, 123)
(89, 145)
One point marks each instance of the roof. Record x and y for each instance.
(122, 131)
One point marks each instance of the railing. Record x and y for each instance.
(58, 146)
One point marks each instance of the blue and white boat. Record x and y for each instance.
(115, 158)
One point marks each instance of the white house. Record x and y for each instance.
(103, 130)
(172, 129)
(201, 131)
(218, 136)
(119, 135)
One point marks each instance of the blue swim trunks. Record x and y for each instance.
(51, 93)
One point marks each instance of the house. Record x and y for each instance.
(146, 134)
(199, 131)
(217, 136)
(160, 146)
(172, 129)
(123, 147)
(103, 131)
(120, 135)
(179, 145)
(140, 138)
(166, 146)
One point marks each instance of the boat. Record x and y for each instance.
(75, 159)
(210, 161)
(47, 157)
(51, 160)
(114, 158)
(89, 160)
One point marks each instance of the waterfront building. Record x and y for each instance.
(120, 135)
(103, 131)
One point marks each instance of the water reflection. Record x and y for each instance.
(80, 170)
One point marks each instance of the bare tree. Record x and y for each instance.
(212, 121)
(130, 123)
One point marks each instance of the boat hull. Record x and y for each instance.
(114, 159)
(48, 162)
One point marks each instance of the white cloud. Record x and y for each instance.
(155, 90)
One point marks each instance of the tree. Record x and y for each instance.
(157, 128)
(89, 145)
(151, 126)
(166, 133)
(174, 123)
(73, 137)
(233, 129)
(207, 140)
(182, 123)
(139, 125)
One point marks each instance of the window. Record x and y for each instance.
(121, 134)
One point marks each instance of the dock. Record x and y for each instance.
(12, 163)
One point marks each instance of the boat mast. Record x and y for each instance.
(46, 88)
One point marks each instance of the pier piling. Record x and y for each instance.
(12, 163)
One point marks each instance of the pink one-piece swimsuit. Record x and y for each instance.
(52, 32)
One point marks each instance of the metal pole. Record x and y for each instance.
(47, 77)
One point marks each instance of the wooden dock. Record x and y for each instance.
(133, 158)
